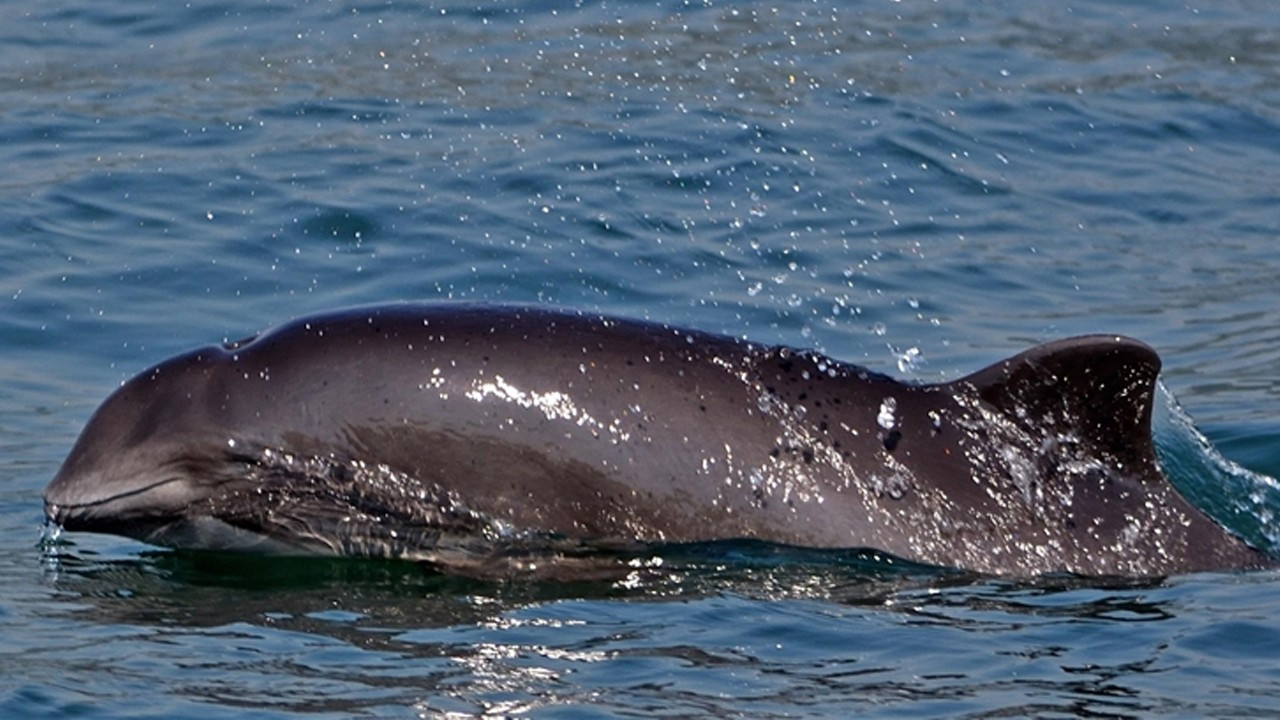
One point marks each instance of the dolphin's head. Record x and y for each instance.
(151, 458)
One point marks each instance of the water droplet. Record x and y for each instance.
(886, 418)
(908, 360)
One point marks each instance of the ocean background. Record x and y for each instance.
(919, 187)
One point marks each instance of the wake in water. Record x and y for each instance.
(1244, 501)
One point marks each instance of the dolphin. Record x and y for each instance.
(492, 440)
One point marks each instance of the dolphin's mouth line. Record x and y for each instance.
(129, 513)
(109, 499)
(213, 474)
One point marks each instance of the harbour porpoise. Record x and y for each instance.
(495, 440)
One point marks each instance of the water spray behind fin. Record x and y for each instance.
(1244, 501)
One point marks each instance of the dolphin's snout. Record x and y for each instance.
(59, 508)
(55, 506)
(58, 512)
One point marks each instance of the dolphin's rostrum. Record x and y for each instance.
(493, 439)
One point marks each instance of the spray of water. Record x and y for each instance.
(1246, 502)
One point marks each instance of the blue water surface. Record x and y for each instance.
(919, 187)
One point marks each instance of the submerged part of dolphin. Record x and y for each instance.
(487, 440)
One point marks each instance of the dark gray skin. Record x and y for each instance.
(497, 440)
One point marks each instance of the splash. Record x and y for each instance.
(50, 545)
(50, 535)
(1244, 501)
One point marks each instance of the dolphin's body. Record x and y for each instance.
(488, 439)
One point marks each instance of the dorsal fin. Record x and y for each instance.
(1100, 388)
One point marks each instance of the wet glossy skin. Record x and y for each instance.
(443, 431)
